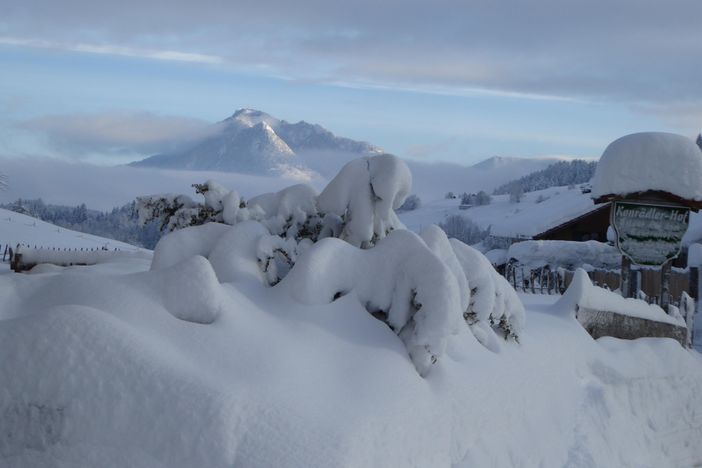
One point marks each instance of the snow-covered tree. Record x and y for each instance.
(482, 198)
(463, 229)
(516, 194)
(318, 248)
(475, 199)
(411, 203)
(556, 175)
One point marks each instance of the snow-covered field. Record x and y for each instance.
(16, 228)
(536, 212)
(270, 339)
(96, 370)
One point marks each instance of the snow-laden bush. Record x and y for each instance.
(345, 241)
(493, 302)
(463, 229)
(364, 195)
(415, 293)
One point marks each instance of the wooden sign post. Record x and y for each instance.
(648, 231)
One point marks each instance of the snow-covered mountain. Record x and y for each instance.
(253, 142)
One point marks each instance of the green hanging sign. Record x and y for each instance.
(649, 234)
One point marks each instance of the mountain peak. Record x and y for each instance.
(254, 142)
(250, 117)
(248, 112)
(495, 162)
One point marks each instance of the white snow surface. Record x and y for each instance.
(650, 161)
(97, 370)
(195, 359)
(16, 228)
(583, 293)
(536, 213)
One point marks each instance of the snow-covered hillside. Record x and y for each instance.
(537, 212)
(434, 180)
(16, 228)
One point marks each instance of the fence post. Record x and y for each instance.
(694, 287)
(541, 281)
(665, 285)
(626, 277)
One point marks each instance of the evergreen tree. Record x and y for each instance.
(699, 140)
(556, 175)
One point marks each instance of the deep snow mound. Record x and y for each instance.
(650, 161)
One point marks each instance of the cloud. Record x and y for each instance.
(634, 51)
(686, 117)
(104, 187)
(170, 55)
(126, 133)
(426, 151)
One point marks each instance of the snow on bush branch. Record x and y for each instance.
(348, 239)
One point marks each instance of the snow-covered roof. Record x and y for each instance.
(650, 161)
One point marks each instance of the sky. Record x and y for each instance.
(455, 81)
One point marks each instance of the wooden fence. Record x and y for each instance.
(646, 281)
(25, 257)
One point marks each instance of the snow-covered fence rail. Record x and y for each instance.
(25, 257)
(547, 267)
(555, 280)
